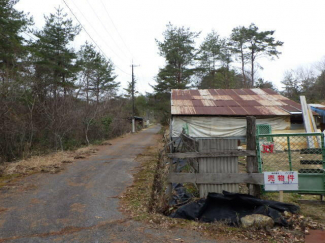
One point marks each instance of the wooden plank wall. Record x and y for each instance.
(217, 164)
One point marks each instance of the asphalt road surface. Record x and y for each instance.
(80, 204)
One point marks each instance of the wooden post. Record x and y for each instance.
(280, 196)
(170, 185)
(251, 161)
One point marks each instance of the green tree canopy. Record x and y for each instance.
(86, 56)
(55, 60)
(178, 49)
(250, 44)
(221, 78)
(209, 54)
(214, 59)
(97, 73)
(262, 84)
(103, 81)
(12, 44)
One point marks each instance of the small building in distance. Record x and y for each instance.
(222, 112)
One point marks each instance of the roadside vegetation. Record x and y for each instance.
(50, 163)
(54, 97)
(146, 201)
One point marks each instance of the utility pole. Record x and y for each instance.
(133, 105)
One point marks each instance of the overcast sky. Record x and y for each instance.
(298, 23)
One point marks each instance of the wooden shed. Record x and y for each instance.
(222, 113)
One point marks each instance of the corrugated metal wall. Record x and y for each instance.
(217, 165)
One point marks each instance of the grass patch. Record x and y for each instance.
(7, 178)
(314, 212)
(135, 200)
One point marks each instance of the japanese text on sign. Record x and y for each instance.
(281, 180)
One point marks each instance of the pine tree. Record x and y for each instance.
(55, 60)
(214, 59)
(103, 81)
(209, 55)
(97, 73)
(178, 49)
(250, 44)
(12, 45)
(86, 57)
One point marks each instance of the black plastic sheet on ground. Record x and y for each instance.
(230, 207)
(181, 196)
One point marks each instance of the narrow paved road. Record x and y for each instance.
(80, 204)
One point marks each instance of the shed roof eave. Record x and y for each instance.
(295, 113)
(209, 115)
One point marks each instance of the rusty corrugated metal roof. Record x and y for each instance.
(241, 102)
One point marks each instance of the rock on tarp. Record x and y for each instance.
(230, 207)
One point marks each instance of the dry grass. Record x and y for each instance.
(36, 164)
(50, 163)
(135, 201)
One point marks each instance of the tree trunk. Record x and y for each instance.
(87, 89)
(252, 69)
(227, 75)
(86, 133)
(251, 161)
(179, 78)
(243, 66)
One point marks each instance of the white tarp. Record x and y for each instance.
(213, 126)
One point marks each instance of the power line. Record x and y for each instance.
(97, 33)
(29, 36)
(21, 36)
(115, 27)
(105, 28)
(91, 37)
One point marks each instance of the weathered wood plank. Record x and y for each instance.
(216, 178)
(215, 154)
(252, 164)
(311, 202)
(170, 185)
